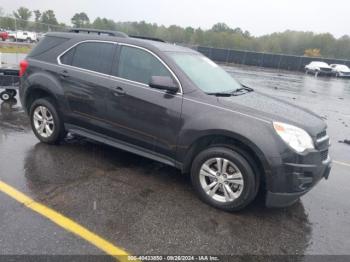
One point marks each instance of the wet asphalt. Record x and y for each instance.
(148, 208)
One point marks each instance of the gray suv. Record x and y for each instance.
(176, 106)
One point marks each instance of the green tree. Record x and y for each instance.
(189, 31)
(221, 27)
(104, 24)
(7, 23)
(48, 20)
(37, 15)
(22, 14)
(80, 20)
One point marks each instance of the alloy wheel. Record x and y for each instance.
(221, 180)
(43, 121)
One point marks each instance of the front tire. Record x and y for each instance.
(46, 122)
(224, 179)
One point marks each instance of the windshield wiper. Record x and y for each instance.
(236, 92)
(220, 94)
(244, 88)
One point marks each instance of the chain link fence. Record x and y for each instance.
(14, 24)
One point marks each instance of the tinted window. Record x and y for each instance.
(67, 58)
(138, 65)
(94, 56)
(47, 43)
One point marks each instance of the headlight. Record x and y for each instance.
(295, 137)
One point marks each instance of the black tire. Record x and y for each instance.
(250, 188)
(58, 131)
(5, 96)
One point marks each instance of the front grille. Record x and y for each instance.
(322, 134)
(326, 69)
(324, 155)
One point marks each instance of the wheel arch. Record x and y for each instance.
(41, 84)
(35, 92)
(247, 148)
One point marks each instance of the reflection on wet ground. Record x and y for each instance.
(147, 207)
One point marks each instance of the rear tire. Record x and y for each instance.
(234, 183)
(45, 121)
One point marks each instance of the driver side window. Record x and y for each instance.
(138, 65)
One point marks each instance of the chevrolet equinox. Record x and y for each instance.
(176, 106)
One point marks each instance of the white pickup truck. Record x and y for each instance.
(23, 36)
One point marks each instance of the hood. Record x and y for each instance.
(273, 109)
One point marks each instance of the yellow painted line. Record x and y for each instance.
(65, 222)
(341, 163)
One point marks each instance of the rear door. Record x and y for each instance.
(141, 115)
(85, 76)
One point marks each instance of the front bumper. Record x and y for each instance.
(343, 74)
(325, 73)
(295, 176)
(301, 180)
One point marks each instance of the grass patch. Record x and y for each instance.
(15, 49)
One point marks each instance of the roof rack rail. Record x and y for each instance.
(147, 38)
(98, 32)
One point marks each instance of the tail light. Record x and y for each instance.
(23, 65)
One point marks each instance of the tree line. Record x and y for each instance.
(31, 20)
(219, 36)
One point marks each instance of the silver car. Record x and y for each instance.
(340, 70)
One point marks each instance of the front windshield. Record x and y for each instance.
(207, 75)
(320, 64)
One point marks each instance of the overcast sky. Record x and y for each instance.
(257, 16)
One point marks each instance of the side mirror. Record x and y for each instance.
(163, 83)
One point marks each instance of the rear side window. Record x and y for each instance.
(67, 58)
(138, 65)
(94, 56)
(47, 43)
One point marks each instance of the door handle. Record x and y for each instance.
(118, 91)
(64, 73)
